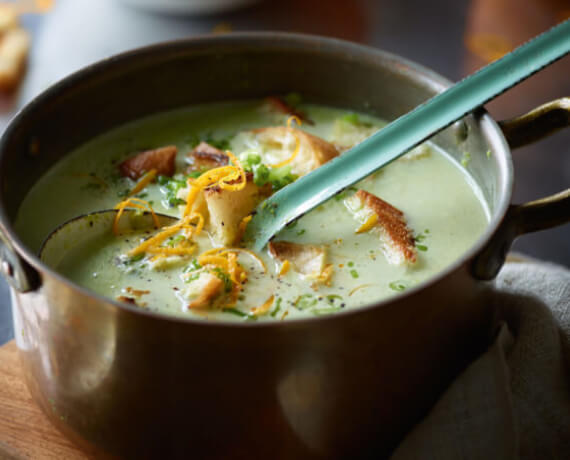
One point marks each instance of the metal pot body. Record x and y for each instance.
(140, 385)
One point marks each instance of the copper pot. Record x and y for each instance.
(137, 384)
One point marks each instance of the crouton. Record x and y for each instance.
(14, 47)
(205, 156)
(281, 106)
(278, 144)
(306, 259)
(161, 159)
(226, 209)
(125, 299)
(390, 224)
(8, 18)
(203, 291)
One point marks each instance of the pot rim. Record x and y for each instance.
(278, 40)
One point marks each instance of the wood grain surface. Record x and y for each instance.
(25, 432)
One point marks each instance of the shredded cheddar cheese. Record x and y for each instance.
(219, 261)
(136, 203)
(297, 142)
(357, 288)
(264, 308)
(230, 177)
(152, 245)
(370, 222)
(143, 182)
(284, 268)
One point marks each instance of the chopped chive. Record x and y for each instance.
(488, 153)
(399, 285)
(466, 159)
(162, 180)
(305, 301)
(421, 247)
(332, 297)
(220, 144)
(194, 174)
(235, 311)
(133, 259)
(194, 265)
(325, 311)
(228, 284)
(175, 202)
(277, 307)
(293, 224)
(191, 278)
(350, 264)
(354, 273)
(300, 232)
(174, 240)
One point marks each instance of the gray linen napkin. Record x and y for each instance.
(514, 400)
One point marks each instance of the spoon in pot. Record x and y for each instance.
(411, 129)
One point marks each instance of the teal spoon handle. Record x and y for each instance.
(405, 133)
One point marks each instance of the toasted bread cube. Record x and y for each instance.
(306, 259)
(203, 291)
(205, 156)
(281, 106)
(162, 159)
(396, 238)
(8, 18)
(14, 47)
(278, 143)
(226, 209)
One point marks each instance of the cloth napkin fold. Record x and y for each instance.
(513, 402)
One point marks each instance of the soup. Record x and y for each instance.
(209, 166)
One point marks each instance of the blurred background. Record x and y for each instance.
(51, 38)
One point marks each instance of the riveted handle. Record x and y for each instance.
(536, 215)
(19, 274)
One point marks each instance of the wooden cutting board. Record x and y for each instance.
(25, 432)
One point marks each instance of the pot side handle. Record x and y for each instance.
(15, 270)
(535, 215)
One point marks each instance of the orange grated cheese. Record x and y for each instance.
(143, 182)
(221, 176)
(284, 267)
(357, 288)
(264, 308)
(297, 142)
(370, 222)
(133, 203)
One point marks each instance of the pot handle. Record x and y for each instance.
(535, 215)
(19, 274)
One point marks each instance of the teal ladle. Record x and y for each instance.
(405, 133)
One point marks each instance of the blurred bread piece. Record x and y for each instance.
(8, 18)
(14, 47)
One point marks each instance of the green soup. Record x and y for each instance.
(442, 207)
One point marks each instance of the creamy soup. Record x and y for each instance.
(395, 229)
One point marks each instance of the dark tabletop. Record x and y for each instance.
(452, 37)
